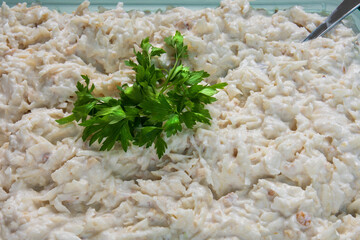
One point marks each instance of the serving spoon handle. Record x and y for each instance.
(343, 10)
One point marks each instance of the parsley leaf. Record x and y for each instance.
(159, 103)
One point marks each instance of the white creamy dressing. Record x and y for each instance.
(280, 160)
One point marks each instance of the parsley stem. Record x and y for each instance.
(169, 77)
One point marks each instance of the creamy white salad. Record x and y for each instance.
(281, 159)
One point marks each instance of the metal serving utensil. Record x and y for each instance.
(342, 11)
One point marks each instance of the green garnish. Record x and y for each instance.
(158, 102)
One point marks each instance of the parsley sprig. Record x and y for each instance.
(158, 103)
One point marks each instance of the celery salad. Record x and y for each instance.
(177, 124)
